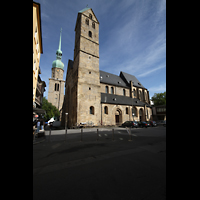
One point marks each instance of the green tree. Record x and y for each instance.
(51, 111)
(159, 99)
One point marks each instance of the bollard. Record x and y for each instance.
(65, 135)
(49, 134)
(81, 134)
(113, 134)
(97, 134)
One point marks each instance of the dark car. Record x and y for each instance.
(130, 124)
(148, 123)
(142, 124)
(153, 123)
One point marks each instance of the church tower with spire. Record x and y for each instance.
(56, 82)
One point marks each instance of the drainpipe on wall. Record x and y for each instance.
(144, 112)
(101, 113)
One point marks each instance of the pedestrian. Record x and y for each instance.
(42, 124)
(38, 126)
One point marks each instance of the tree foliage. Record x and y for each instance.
(159, 99)
(51, 111)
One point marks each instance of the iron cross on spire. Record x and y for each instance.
(87, 6)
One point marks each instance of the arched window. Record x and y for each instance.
(93, 25)
(134, 93)
(124, 92)
(112, 90)
(91, 110)
(106, 89)
(134, 111)
(126, 110)
(87, 21)
(106, 110)
(90, 16)
(56, 87)
(90, 34)
(140, 95)
(141, 114)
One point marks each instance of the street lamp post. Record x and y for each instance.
(65, 127)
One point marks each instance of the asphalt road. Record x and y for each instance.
(103, 169)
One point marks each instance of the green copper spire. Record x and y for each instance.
(57, 63)
(59, 52)
(59, 47)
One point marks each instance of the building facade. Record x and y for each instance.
(159, 112)
(40, 89)
(37, 46)
(97, 97)
(56, 82)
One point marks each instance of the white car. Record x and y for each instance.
(51, 120)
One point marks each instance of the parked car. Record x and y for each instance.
(148, 123)
(142, 124)
(153, 123)
(130, 124)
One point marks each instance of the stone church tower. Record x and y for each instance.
(82, 96)
(56, 82)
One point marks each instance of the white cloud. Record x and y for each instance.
(150, 71)
(137, 42)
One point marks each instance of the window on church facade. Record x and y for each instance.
(124, 92)
(134, 111)
(106, 89)
(126, 110)
(91, 110)
(87, 21)
(112, 90)
(56, 87)
(90, 34)
(93, 25)
(90, 16)
(134, 93)
(106, 110)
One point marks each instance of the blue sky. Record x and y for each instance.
(132, 37)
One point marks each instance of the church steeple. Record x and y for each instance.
(59, 52)
(57, 63)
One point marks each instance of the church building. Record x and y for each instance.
(97, 97)
(56, 82)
